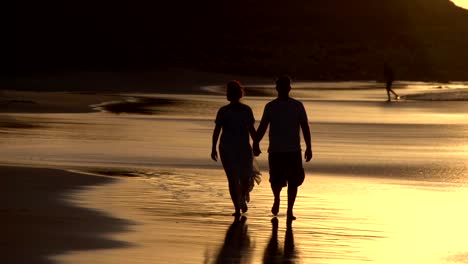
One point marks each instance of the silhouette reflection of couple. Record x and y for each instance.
(273, 252)
(237, 247)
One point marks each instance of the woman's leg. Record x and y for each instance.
(245, 196)
(234, 191)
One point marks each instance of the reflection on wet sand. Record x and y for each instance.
(273, 252)
(236, 246)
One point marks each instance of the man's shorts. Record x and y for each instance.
(286, 168)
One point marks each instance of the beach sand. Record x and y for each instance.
(37, 222)
(81, 186)
(180, 216)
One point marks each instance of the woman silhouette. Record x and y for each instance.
(236, 121)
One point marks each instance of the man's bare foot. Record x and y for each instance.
(275, 208)
(290, 216)
(236, 213)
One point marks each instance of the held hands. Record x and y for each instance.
(256, 149)
(214, 155)
(308, 154)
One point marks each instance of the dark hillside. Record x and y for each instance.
(332, 39)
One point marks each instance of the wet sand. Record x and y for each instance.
(183, 216)
(160, 199)
(38, 220)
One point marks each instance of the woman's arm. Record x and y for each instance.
(252, 131)
(259, 135)
(216, 132)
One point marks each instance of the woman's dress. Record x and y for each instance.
(234, 147)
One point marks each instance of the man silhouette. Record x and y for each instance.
(389, 75)
(286, 116)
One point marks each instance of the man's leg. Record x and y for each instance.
(389, 88)
(277, 180)
(292, 193)
(276, 193)
(295, 180)
(395, 94)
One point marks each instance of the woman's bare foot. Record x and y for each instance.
(244, 208)
(275, 208)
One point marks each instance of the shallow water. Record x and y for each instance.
(388, 182)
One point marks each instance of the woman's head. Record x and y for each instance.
(234, 91)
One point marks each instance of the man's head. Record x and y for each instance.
(283, 86)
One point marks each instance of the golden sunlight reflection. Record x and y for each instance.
(397, 221)
(461, 3)
(419, 220)
(341, 220)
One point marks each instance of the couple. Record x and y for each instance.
(285, 116)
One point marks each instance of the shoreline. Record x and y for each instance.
(76, 92)
(171, 80)
(57, 99)
(175, 81)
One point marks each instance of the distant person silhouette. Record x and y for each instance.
(389, 75)
(236, 121)
(273, 253)
(285, 116)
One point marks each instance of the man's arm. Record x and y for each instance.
(216, 132)
(307, 139)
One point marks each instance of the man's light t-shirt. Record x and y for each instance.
(284, 118)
